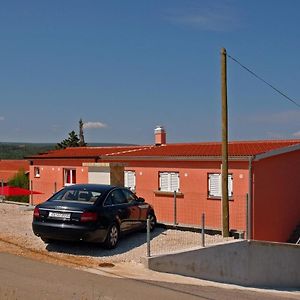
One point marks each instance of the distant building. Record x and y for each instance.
(267, 172)
(9, 168)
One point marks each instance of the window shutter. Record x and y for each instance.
(215, 185)
(230, 185)
(169, 182)
(126, 178)
(174, 182)
(129, 179)
(163, 181)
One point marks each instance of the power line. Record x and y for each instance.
(261, 79)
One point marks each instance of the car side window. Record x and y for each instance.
(108, 200)
(130, 197)
(115, 197)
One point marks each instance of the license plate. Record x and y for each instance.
(58, 215)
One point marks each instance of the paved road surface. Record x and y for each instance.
(23, 278)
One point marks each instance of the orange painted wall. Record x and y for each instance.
(194, 187)
(276, 191)
(51, 174)
(276, 201)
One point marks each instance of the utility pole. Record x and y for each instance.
(224, 176)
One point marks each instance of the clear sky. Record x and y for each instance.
(126, 66)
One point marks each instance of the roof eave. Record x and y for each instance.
(277, 152)
(62, 157)
(173, 158)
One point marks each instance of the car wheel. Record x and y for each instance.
(153, 221)
(112, 237)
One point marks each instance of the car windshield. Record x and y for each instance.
(77, 195)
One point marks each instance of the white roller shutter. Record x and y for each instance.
(174, 182)
(169, 181)
(214, 182)
(129, 180)
(215, 185)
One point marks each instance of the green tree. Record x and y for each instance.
(19, 180)
(71, 141)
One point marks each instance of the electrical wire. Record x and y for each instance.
(261, 79)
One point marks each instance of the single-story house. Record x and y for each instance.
(266, 172)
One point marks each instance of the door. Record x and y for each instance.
(120, 208)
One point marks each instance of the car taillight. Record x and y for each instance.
(36, 212)
(88, 217)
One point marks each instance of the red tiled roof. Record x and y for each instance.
(79, 152)
(208, 149)
(246, 148)
(9, 168)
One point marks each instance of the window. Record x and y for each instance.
(214, 185)
(169, 181)
(37, 172)
(129, 180)
(130, 197)
(84, 195)
(69, 176)
(116, 197)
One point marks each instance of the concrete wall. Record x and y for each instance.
(248, 263)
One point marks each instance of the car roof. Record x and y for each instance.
(92, 187)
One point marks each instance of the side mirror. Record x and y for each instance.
(140, 199)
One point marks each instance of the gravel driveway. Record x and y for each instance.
(15, 227)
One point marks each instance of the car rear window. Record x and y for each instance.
(76, 195)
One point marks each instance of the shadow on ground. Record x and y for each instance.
(126, 243)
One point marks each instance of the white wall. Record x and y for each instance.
(99, 175)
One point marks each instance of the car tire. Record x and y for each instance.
(112, 237)
(153, 221)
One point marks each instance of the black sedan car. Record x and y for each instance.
(92, 213)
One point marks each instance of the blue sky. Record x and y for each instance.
(126, 66)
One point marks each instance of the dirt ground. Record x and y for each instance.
(16, 237)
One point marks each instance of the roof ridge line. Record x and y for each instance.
(129, 151)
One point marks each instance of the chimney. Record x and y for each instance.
(160, 136)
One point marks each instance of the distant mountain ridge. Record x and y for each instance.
(17, 150)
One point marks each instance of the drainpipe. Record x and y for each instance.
(249, 200)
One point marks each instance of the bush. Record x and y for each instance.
(19, 180)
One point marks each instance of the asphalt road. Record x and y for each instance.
(23, 278)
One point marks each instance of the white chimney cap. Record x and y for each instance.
(159, 129)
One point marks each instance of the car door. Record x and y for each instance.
(139, 209)
(119, 208)
(135, 211)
